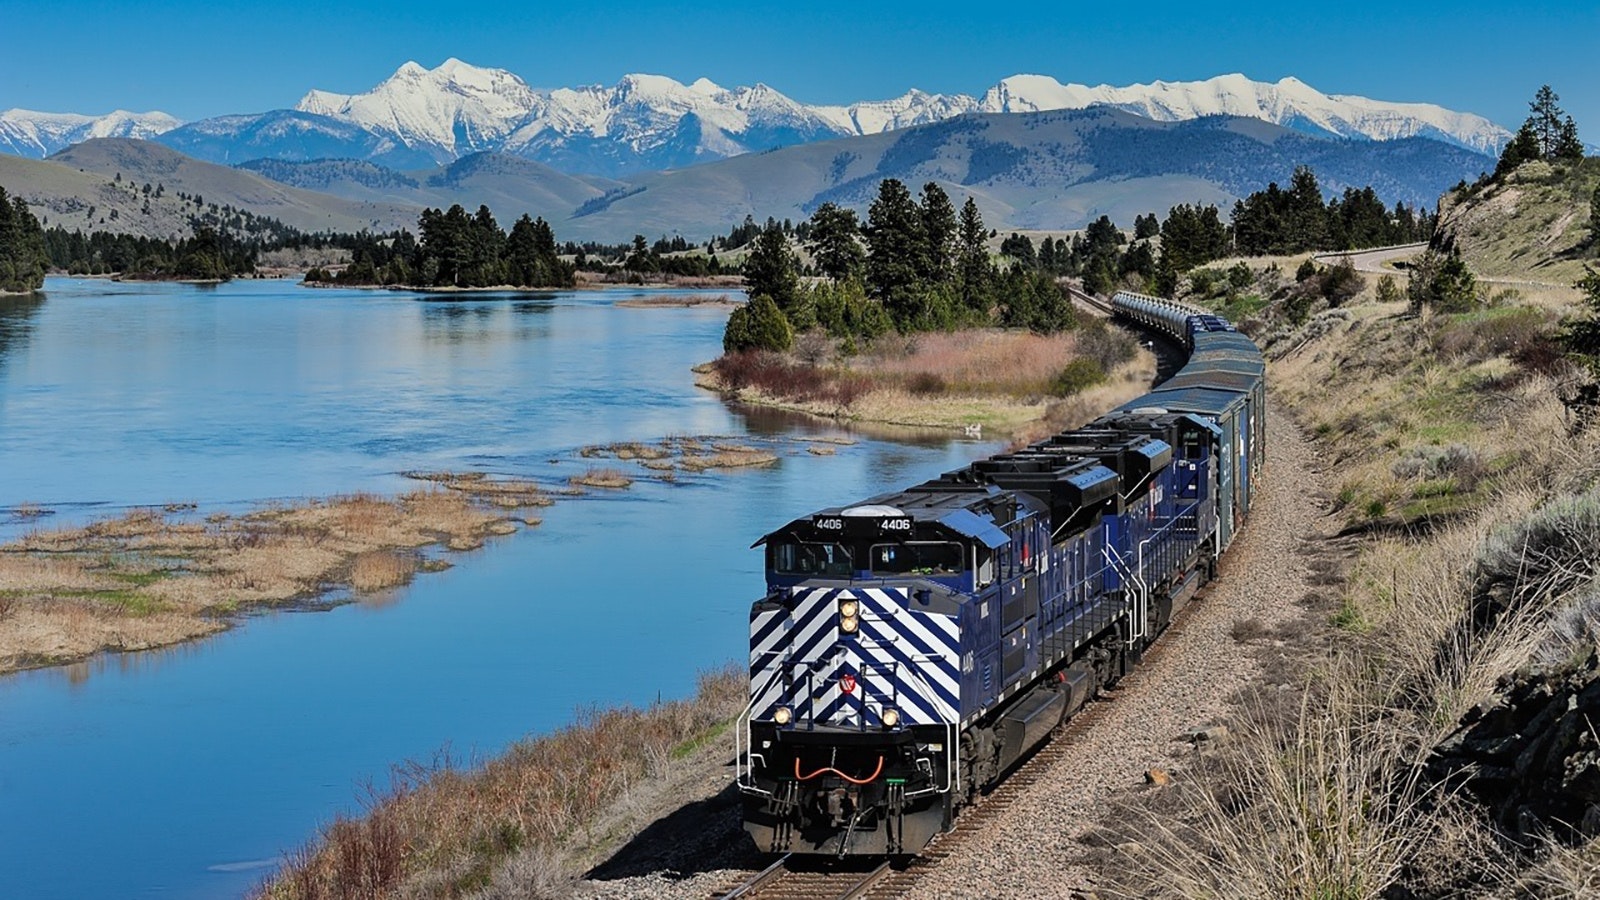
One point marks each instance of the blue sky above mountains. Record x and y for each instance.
(195, 59)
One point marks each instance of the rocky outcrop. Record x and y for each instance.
(1531, 753)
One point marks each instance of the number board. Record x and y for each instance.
(865, 526)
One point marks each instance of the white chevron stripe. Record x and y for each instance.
(919, 706)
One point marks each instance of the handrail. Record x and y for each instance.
(744, 741)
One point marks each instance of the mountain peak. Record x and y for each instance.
(645, 121)
(24, 132)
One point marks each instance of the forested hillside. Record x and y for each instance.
(22, 255)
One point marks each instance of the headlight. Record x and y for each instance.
(849, 624)
(849, 608)
(891, 718)
(782, 715)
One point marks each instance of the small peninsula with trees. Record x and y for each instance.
(456, 251)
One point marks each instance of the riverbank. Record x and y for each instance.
(986, 382)
(592, 282)
(680, 300)
(527, 822)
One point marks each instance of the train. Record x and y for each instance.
(912, 648)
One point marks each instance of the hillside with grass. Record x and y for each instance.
(1433, 741)
(1535, 224)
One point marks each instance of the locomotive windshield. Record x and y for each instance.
(918, 558)
(800, 558)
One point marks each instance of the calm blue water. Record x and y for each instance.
(190, 772)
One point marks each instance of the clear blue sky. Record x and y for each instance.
(196, 59)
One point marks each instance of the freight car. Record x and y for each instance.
(912, 647)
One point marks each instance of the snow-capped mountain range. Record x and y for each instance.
(643, 123)
(24, 132)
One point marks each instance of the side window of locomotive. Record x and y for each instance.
(795, 558)
(985, 567)
(918, 558)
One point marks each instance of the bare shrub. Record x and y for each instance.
(814, 347)
(380, 569)
(926, 384)
(1456, 461)
(1555, 551)
(601, 478)
(1250, 629)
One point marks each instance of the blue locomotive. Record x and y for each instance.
(912, 647)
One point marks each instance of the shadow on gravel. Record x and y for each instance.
(702, 836)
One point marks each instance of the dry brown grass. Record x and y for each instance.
(730, 458)
(658, 301)
(984, 361)
(149, 578)
(1311, 806)
(602, 478)
(999, 381)
(378, 570)
(520, 823)
(504, 492)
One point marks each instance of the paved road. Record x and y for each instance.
(1373, 260)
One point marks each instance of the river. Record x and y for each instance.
(190, 772)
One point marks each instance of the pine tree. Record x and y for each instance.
(23, 257)
(1307, 219)
(1191, 236)
(1523, 147)
(758, 325)
(835, 242)
(1546, 121)
(1568, 146)
(895, 245)
(974, 270)
(771, 270)
(938, 234)
(1594, 216)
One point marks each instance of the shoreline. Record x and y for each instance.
(582, 284)
(978, 415)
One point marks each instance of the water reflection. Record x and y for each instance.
(769, 422)
(16, 322)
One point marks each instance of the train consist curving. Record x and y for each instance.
(912, 647)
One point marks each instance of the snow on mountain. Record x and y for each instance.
(911, 108)
(456, 108)
(651, 121)
(1290, 102)
(36, 135)
(420, 116)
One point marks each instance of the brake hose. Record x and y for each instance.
(875, 772)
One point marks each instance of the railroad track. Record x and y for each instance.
(804, 878)
(1090, 300)
(800, 878)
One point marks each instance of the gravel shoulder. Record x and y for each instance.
(1041, 846)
